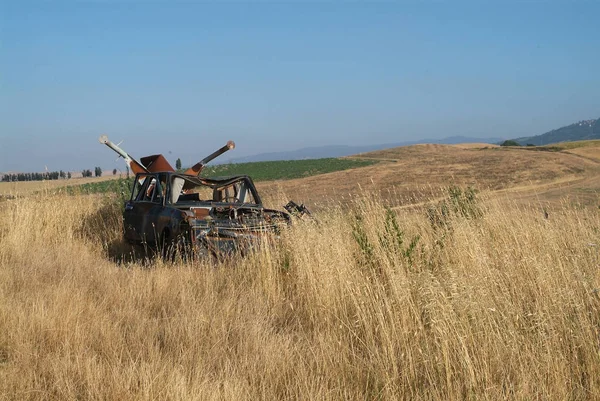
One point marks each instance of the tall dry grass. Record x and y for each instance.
(366, 303)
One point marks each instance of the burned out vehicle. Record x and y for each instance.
(173, 211)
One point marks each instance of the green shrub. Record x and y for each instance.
(461, 203)
(392, 237)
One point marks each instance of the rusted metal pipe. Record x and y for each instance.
(135, 166)
(196, 169)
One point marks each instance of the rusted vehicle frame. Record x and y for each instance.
(167, 209)
(172, 211)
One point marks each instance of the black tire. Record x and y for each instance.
(172, 249)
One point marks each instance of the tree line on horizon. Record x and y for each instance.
(97, 172)
(49, 175)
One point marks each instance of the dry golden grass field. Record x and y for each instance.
(27, 187)
(492, 295)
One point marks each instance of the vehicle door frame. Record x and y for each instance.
(142, 212)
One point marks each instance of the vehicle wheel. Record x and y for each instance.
(163, 245)
(203, 251)
(172, 249)
(180, 249)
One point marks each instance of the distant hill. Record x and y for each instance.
(342, 150)
(582, 130)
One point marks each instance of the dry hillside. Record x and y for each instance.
(418, 172)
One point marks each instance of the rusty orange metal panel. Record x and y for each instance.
(200, 212)
(156, 163)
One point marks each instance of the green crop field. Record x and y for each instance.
(258, 171)
(118, 186)
(285, 169)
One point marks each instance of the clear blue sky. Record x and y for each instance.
(186, 77)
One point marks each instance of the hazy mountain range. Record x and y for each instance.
(580, 131)
(341, 150)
